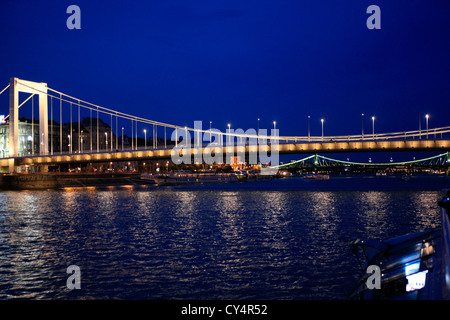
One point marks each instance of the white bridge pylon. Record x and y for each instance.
(18, 85)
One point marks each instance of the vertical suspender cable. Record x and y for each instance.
(111, 133)
(51, 125)
(32, 125)
(97, 133)
(60, 125)
(79, 128)
(90, 130)
(71, 132)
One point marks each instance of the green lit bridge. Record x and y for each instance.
(440, 161)
(72, 131)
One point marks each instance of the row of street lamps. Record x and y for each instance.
(322, 120)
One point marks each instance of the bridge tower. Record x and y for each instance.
(16, 86)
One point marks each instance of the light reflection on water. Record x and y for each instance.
(196, 244)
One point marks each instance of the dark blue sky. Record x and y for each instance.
(236, 61)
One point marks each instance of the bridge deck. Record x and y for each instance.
(292, 148)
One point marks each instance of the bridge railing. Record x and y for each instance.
(431, 134)
(244, 140)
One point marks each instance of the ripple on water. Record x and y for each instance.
(196, 244)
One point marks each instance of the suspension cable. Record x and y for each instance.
(348, 138)
(5, 88)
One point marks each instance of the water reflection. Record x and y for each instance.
(374, 212)
(231, 227)
(228, 208)
(194, 244)
(186, 210)
(321, 223)
(23, 254)
(277, 232)
(427, 212)
(323, 209)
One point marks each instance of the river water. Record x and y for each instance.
(279, 239)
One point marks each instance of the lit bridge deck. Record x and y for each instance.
(289, 148)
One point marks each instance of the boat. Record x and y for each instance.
(317, 176)
(241, 175)
(405, 177)
(414, 266)
(187, 178)
(148, 177)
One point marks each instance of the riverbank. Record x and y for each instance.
(65, 180)
(38, 181)
(335, 182)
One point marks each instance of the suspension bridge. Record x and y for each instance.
(69, 130)
(318, 161)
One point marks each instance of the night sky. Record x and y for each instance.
(236, 61)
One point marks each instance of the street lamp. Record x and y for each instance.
(426, 117)
(69, 145)
(122, 138)
(106, 139)
(145, 138)
(210, 138)
(309, 129)
(322, 120)
(229, 131)
(258, 129)
(362, 125)
(274, 130)
(42, 144)
(373, 127)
